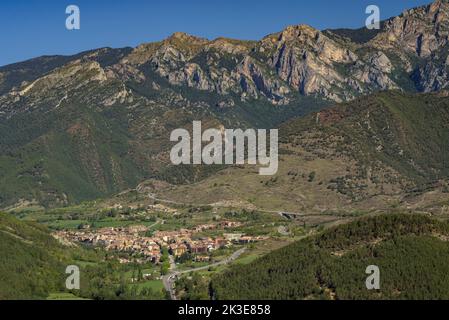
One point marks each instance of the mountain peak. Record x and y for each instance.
(295, 31)
(422, 30)
(299, 27)
(439, 11)
(437, 4)
(185, 37)
(231, 46)
(292, 33)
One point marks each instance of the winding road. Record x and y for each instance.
(170, 278)
(154, 197)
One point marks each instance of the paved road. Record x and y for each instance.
(169, 279)
(154, 197)
(155, 224)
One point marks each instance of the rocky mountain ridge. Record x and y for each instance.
(408, 53)
(96, 123)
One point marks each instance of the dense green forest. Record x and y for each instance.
(411, 251)
(31, 260)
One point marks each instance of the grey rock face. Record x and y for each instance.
(431, 78)
(421, 31)
(300, 60)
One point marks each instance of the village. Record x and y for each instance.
(141, 248)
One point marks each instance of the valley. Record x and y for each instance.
(361, 126)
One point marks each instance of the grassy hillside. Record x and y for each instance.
(60, 158)
(386, 150)
(411, 251)
(408, 133)
(89, 139)
(13, 75)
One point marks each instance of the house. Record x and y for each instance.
(202, 258)
(220, 243)
(233, 236)
(178, 249)
(244, 240)
(198, 248)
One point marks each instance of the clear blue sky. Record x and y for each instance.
(30, 28)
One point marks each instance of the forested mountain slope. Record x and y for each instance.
(32, 262)
(411, 252)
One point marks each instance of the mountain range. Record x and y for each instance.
(86, 126)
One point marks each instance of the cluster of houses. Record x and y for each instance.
(133, 240)
(129, 239)
(198, 247)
